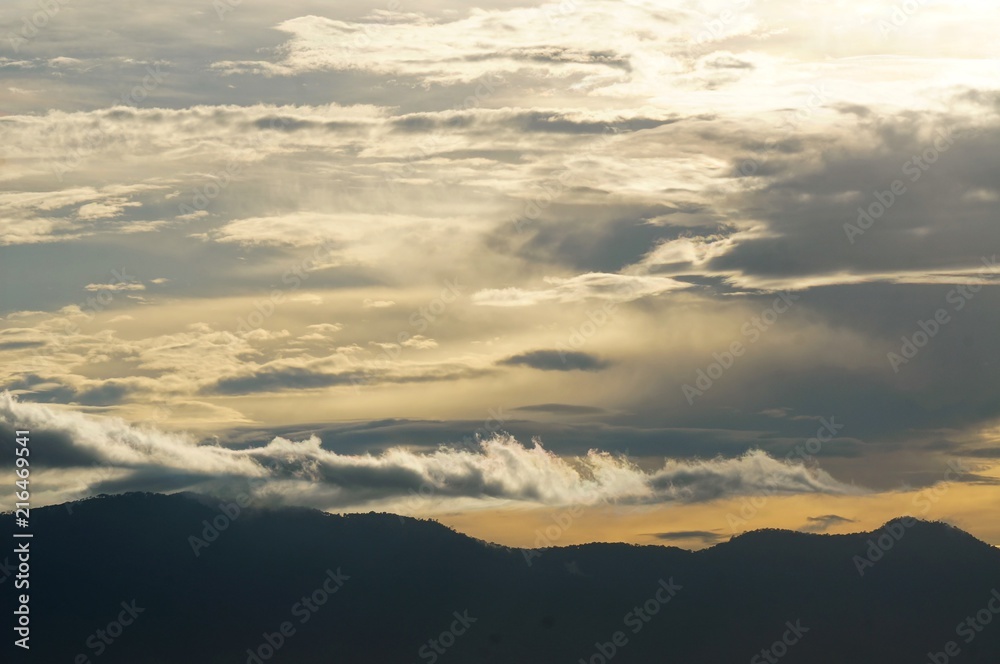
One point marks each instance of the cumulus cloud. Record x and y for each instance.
(495, 469)
(112, 441)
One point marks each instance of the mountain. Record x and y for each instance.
(143, 578)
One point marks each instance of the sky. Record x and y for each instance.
(655, 272)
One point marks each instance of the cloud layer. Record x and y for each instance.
(79, 454)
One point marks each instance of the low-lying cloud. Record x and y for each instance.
(495, 470)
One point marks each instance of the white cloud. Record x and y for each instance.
(118, 286)
(497, 469)
(593, 285)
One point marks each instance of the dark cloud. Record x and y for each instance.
(556, 55)
(280, 379)
(289, 378)
(704, 536)
(825, 522)
(562, 434)
(546, 122)
(49, 449)
(601, 236)
(376, 436)
(561, 409)
(292, 125)
(53, 390)
(556, 360)
(41, 389)
(728, 62)
(111, 392)
(17, 345)
(984, 452)
(934, 224)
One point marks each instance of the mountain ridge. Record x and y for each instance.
(402, 582)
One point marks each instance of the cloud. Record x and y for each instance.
(109, 209)
(117, 286)
(556, 360)
(487, 41)
(58, 388)
(611, 287)
(420, 342)
(113, 442)
(18, 345)
(825, 522)
(495, 469)
(278, 379)
(338, 371)
(561, 408)
(29, 217)
(703, 536)
(325, 328)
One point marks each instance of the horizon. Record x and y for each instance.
(234, 503)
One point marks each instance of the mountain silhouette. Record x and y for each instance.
(148, 579)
